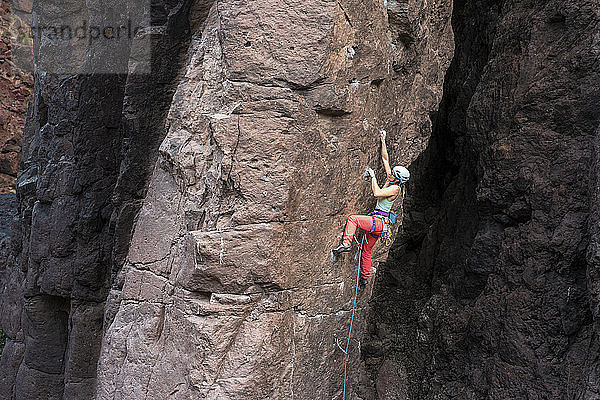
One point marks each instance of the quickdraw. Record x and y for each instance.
(386, 233)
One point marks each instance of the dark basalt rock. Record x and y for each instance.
(84, 169)
(497, 296)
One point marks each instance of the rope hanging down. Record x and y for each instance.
(351, 319)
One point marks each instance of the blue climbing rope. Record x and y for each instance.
(352, 318)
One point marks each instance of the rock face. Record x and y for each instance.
(228, 290)
(89, 141)
(492, 290)
(174, 229)
(8, 206)
(16, 88)
(243, 153)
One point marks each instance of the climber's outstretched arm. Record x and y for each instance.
(384, 154)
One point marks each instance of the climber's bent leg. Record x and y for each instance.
(352, 223)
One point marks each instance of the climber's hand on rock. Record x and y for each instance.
(382, 134)
(369, 173)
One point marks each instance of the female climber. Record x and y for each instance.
(373, 223)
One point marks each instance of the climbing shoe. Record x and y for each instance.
(341, 249)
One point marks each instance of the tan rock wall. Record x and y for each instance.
(229, 292)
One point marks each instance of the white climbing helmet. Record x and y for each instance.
(401, 173)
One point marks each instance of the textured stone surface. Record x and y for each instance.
(8, 209)
(492, 291)
(87, 148)
(16, 88)
(228, 289)
(270, 125)
(175, 228)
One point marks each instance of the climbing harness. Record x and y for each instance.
(373, 229)
(345, 351)
(388, 219)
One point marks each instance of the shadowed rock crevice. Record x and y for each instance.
(146, 106)
(440, 195)
(485, 294)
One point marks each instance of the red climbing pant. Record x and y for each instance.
(364, 222)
